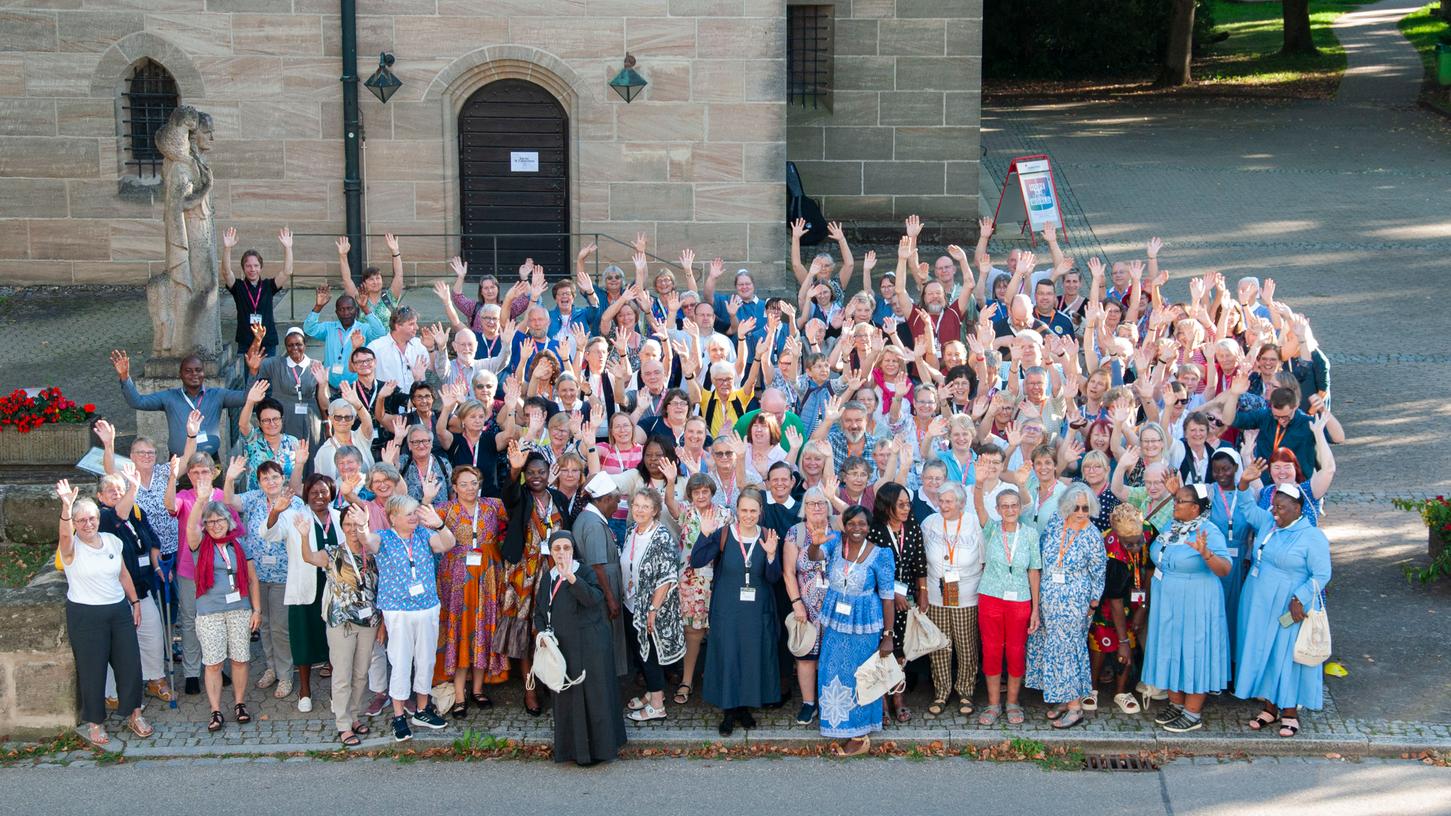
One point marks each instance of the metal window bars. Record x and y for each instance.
(147, 102)
(808, 56)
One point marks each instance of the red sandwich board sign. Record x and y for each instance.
(1031, 196)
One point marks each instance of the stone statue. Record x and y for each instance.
(183, 298)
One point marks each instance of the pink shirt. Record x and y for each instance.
(185, 561)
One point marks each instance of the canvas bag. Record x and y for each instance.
(800, 636)
(922, 636)
(878, 676)
(549, 666)
(1312, 645)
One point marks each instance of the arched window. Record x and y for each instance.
(147, 102)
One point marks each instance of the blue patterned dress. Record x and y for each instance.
(1187, 647)
(1058, 652)
(848, 639)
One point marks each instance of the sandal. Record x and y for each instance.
(459, 710)
(904, 714)
(216, 722)
(349, 739)
(964, 707)
(241, 712)
(361, 730)
(864, 747)
(1015, 714)
(1127, 703)
(989, 716)
(1289, 726)
(1262, 719)
(139, 726)
(1054, 712)
(326, 670)
(481, 699)
(937, 707)
(97, 736)
(636, 704)
(1070, 718)
(1090, 701)
(647, 714)
(683, 697)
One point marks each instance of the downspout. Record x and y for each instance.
(352, 136)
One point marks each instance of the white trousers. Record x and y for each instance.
(412, 646)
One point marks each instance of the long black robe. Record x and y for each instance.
(589, 724)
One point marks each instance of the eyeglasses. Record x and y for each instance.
(138, 453)
(221, 521)
(1194, 502)
(1080, 508)
(272, 419)
(1216, 421)
(413, 442)
(342, 417)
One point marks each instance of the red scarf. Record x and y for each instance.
(205, 556)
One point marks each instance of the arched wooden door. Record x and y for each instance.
(514, 179)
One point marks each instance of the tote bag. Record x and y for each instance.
(922, 636)
(1312, 645)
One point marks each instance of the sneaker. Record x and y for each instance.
(304, 704)
(1182, 723)
(377, 704)
(428, 718)
(806, 714)
(267, 680)
(193, 685)
(1167, 714)
(401, 731)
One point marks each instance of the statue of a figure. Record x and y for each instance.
(183, 298)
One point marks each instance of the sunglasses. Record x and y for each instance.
(1080, 508)
(1181, 402)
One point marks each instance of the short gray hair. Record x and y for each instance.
(1070, 498)
(348, 452)
(400, 504)
(954, 489)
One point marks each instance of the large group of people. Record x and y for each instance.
(1080, 481)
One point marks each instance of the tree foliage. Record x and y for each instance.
(1057, 39)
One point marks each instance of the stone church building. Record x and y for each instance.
(505, 123)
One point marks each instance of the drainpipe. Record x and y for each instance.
(352, 136)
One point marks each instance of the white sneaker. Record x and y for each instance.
(267, 680)
(304, 704)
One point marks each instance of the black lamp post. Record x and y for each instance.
(383, 83)
(628, 83)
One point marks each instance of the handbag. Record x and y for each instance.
(1312, 644)
(549, 666)
(442, 694)
(922, 636)
(801, 636)
(878, 676)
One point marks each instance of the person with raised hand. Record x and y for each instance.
(369, 290)
(252, 293)
(340, 337)
(201, 470)
(228, 602)
(179, 403)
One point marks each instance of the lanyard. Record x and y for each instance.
(1228, 508)
(474, 525)
(296, 372)
(618, 459)
(558, 582)
(897, 541)
(201, 397)
(408, 547)
(846, 571)
(371, 392)
(1063, 547)
(1279, 435)
(221, 547)
(1012, 554)
(954, 541)
(255, 301)
(472, 449)
(342, 343)
(491, 347)
(746, 555)
(1260, 550)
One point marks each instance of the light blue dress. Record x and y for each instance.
(1285, 561)
(1058, 652)
(1227, 511)
(847, 640)
(1187, 648)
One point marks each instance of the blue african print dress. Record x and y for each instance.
(1187, 647)
(849, 635)
(1058, 652)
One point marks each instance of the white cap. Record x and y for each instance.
(1289, 489)
(603, 484)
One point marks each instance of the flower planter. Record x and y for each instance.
(1436, 541)
(53, 444)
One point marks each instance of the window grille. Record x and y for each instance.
(147, 102)
(808, 56)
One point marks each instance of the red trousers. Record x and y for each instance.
(1004, 628)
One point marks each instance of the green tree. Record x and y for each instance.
(1296, 16)
(1180, 46)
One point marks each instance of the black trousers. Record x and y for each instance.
(650, 665)
(104, 636)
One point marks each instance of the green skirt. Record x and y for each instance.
(307, 629)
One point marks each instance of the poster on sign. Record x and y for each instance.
(524, 162)
(1029, 196)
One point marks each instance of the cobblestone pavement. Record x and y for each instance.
(1333, 199)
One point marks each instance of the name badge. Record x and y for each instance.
(415, 590)
(544, 548)
(337, 368)
(143, 560)
(899, 588)
(1059, 578)
(364, 612)
(201, 438)
(233, 597)
(269, 560)
(300, 409)
(1010, 596)
(1158, 575)
(474, 559)
(748, 594)
(1233, 552)
(950, 576)
(1254, 573)
(843, 608)
(1137, 596)
(254, 319)
(821, 581)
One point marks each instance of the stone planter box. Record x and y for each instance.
(54, 444)
(1435, 543)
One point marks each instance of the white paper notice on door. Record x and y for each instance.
(523, 162)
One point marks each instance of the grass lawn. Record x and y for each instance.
(1250, 55)
(20, 562)
(1422, 27)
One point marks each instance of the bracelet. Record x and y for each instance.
(65, 518)
(397, 254)
(796, 601)
(191, 436)
(135, 601)
(886, 633)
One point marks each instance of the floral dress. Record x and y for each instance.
(469, 594)
(152, 499)
(811, 580)
(695, 581)
(1058, 652)
(514, 636)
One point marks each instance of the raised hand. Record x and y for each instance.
(746, 326)
(324, 294)
(67, 494)
(914, 227)
(122, 363)
(798, 228)
(356, 338)
(1095, 268)
(870, 261)
(641, 242)
(194, 422)
(904, 248)
(229, 237)
(585, 251)
(391, 241)
(769, 542)
(833, 231)
(1155, 244)
(985, 226)
(284, 237)
(717, 268)
(459, 267)
(106, 432)
(257, 392)
(236, 466)
(344, 245)
(517, 455)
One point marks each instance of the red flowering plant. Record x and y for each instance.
(25, 413)
(1436, 513)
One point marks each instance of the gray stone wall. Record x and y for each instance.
(901, 135)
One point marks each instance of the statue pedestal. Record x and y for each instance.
(161, 373)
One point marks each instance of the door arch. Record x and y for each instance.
(513, 147)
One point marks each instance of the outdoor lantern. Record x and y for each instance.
(383, 83)
(628, 83)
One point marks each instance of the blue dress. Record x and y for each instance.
(1285, 561)
(740, 665)
(1311, 512)
(847, 640)
(1227, 511)
(1187, 648)
(1058, 652)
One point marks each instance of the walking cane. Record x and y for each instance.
(163, 600)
